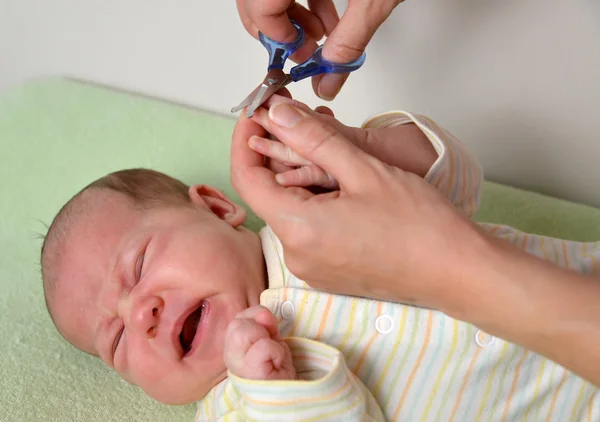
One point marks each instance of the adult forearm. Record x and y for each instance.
(530, 302)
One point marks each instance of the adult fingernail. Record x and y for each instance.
(330, 85)
(285, 115)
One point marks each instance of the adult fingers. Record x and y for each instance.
(310, 23)
(254, 183)
(326, 12)
(350, 38)
(325, 110)
(321, 144)
(357, 136)
(356, 28)
(269, 17)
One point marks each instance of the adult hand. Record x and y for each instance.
(347, 37)
(387, 234)
(404, 146)
(374, 237)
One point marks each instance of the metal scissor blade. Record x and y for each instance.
(267, 90)
(259, 99)
(248, 100)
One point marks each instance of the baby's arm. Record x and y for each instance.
(453, 170)
(408, 141)
(293, 378)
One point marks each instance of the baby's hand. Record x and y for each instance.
(404, 146)
(253, 348)
(291, 168)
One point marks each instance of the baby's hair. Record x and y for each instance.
(147, 188)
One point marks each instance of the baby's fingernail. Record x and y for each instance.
(253, 142)
(279, 178)
(285, 115)
(330, 85)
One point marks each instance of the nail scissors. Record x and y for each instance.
(276, 78)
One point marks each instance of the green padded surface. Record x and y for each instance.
(56, 136)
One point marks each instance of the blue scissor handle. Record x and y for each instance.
(316, 65)
(278, 51)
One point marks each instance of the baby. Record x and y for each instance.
(165, 285)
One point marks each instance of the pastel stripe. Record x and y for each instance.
(425, 378)
(350, 325)
(363, 355)
(442, 372)
(307, 323)
(576, 411)
(300, 313)
(392, 354)
(536, 393)
(455, 372)
(464, 384)
(407, 352)
(370, 372)
(566, 400)
(417, 366)
(555, 395)
(491, 378)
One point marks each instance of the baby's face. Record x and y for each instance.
(152, 291)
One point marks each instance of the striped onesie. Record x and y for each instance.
(368, 360)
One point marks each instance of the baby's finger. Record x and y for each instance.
(265, 357)
(277, 167)
(241, 334)
(276, 151)
(251, 312)
(261, 117)
(307, 176)
(269, 322)
(261, 315)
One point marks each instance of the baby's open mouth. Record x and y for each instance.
(190, 328)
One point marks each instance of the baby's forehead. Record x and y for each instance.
(98, 216)
(84, 257)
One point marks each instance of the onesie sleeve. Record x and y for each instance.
(581, 257)
(327, 390)
(456, 173)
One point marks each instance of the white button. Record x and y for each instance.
(483, 339)
(287, 309)
(384, 324)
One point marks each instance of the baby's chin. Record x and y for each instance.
(184, 393)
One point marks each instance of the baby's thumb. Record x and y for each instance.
(268, 321)
(320, 143)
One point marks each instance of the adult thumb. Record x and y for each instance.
(349, 40)
(320, 143)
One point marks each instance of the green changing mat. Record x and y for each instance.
(56, 136)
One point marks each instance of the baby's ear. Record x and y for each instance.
(218, 204)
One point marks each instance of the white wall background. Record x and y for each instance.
(516, 80)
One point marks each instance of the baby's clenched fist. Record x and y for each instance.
(253, 348)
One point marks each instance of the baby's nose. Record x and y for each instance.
(145, 315)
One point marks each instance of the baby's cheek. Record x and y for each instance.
(126, 378)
